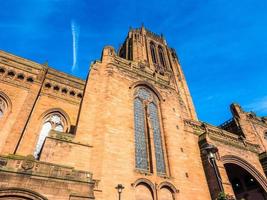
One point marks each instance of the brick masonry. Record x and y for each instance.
(96, 151)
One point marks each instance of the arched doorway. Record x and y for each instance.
(247, 182)
(245, 186)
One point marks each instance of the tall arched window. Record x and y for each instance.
(147, 125)
(161, 56)
(153, 52)
(53, 121)
(3, 107)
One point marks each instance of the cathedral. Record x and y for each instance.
(128, 132)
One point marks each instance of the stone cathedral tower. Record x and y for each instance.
(132, 122)
(132, 114)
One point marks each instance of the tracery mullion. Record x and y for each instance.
(159, 154)
(161, 56)
(148, 137)
(141, 148)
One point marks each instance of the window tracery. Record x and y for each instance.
(53, 121)
(3, 107)
(162, 60)
(146, 125)
(161, 56)
(153, 53)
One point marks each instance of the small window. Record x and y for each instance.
(64, 90)
(11, 73)
(2, 70)
(48, 85)
(72, 93)
(30, 79)
(80, 95)
(20, 77)
(56, 88)
(265, 135)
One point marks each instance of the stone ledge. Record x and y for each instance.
(204, 130)
(65, 137)
(29, 166)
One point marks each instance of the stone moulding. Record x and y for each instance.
(28, 166)
(169, 185)
(79, 197)
(65, 137)
(21, 192)
(143, 180)
(204, 130)
(61, 135)
(134, 68)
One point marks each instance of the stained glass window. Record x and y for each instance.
(145, 98)
(53, 121)
(141, 158)
(153, 112)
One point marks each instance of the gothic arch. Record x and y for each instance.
(54, 119)
(230, 159)
(153, 52)
(144, 189)
(148, 85)
(145, 181)
(8, 101)
(162, 58)
(168, 185)
(60, 111)
(20, 193)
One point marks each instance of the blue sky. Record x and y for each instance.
(222, 44)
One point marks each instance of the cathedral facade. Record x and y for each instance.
(129, 131)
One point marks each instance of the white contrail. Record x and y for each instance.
(75, 39)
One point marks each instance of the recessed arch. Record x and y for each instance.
(144, 180)
(54, 119)
(61, 112)
(7, 99)
(169, 185)
(153, 53)
(149, 85)
(2, 70)
(162, 56)
(5, 106)
(20, 193)
(231, 159)
(144, 189)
